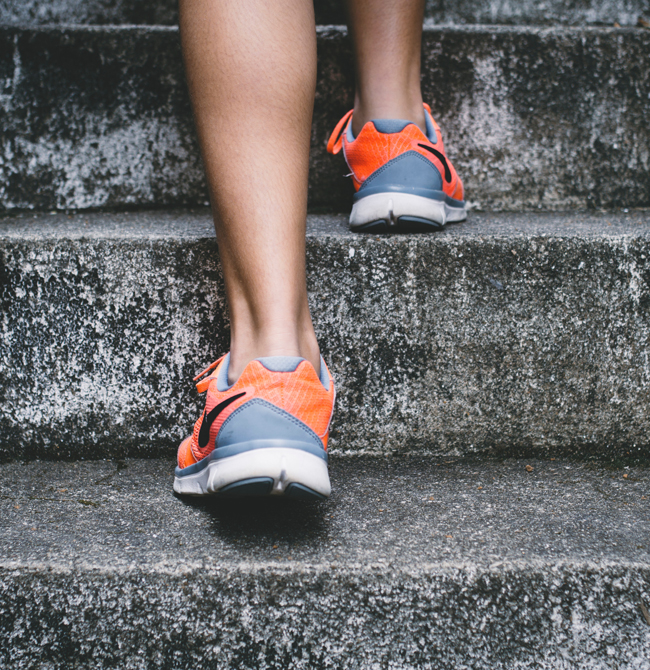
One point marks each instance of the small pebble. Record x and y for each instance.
(529, 468)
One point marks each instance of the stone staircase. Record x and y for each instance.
(538, 118)
(490, 451)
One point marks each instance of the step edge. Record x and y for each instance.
(335, 30)
(442, 568)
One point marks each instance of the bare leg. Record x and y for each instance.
(251, 70)
(387, 37)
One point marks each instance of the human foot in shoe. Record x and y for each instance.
(266, 434)
(403, 180)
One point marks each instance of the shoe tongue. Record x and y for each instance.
(390, 126)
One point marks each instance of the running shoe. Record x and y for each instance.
(403, 180)
(266, 434)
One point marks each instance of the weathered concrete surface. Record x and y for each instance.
(532, 118)
(507, 334)
(96, 12)
(411, 564)
(140, 12)
(540, 12)
(96, 117)
(537, 12)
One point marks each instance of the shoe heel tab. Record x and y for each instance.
(292, 363)
(390, 126)
(280, 363)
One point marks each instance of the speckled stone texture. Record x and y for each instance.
(96, 12)
(500, 568)
(540, 12)
(165, 12)
(533, 118)
(508, 334)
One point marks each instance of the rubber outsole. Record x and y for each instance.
(403, 213)
(261, 472)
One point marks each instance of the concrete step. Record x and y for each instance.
(509, 334)
(533, 118)
(165, 12)
(411, 564)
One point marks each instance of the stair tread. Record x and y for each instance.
(412, 514)
(196, 223)
(536, 570)
(328, 11)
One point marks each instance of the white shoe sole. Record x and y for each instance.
(390, 207)
(263, 471)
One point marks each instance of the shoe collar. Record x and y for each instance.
(274, 364)
(390, 126)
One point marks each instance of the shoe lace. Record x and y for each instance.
(202, 385)
(335, 141)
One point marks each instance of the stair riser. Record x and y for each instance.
(438, 344)
(551, 12)
(568, 617)
(532, 118)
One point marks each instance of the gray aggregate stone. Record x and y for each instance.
(165, 12)
(148, 12)
(532, 118)
(509, 334)
(413, 563)
(92, 12)
(537, 12)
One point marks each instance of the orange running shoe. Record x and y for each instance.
(403, 180)
(266, 434)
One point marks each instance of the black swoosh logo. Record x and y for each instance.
(441, 157)
(208, 420)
